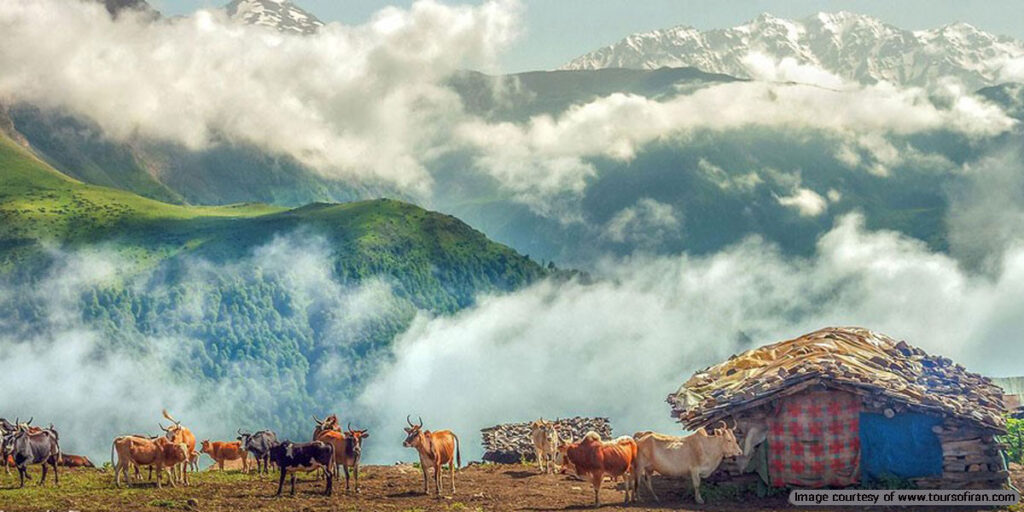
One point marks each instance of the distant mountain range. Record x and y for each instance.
(853, 46)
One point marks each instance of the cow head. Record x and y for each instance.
(413, 433)
(175, 431)
(206, 446)
(725, 435)
(324, 425)
(562, 458)
(244, 437)
(357, 434)
(354, 438)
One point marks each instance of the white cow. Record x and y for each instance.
(544, 435)
(696, 455)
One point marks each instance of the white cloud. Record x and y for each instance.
(646, 223)
(549, 155)
(765, 67)
(619, 346)
(805, 201)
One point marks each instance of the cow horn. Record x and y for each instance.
(724, 424)
(239, 432)
(317, 420)
(409, 420)
(161, 425)
(421, 421)
(29, 422)
(350, 426)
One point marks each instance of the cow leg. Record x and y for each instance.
(695, 478)
(451, 465)
(595, 480)
(56, 479)
(438, 473)
(22, 473)
(426, 489)
(330, 481)
(346, 477)
(293, 483)
(280, 483)
(42, 480)
(355, 469)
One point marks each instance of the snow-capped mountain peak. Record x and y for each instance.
(282, 15)
(853, 46)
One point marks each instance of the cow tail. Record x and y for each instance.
(112, 445)
(458, 452)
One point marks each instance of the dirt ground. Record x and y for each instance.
(384, 488)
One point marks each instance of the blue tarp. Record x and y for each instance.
(903, 446)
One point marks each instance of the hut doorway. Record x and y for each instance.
(904, 446)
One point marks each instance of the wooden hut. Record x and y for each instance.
(842, 406)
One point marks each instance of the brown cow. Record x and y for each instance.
(162, 453)
(352, 453)
(435, 449)
(222, 452)
(179, 434)
(595, 458)
(75, 461)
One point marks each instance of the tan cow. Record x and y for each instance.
(435, 450)
(161, 453)
(222, 452)
(544, 435)
(696, 455)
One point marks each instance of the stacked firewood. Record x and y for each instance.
(971, 458)
(510, 443)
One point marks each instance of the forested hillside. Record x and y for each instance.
(258, 301)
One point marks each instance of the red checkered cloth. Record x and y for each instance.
(814, 440)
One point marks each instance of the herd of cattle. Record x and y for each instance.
(333, 450)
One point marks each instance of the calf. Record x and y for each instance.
(75, 461)
(352, 453)
(696, 455)
(29, 448)
(259, 445)
(222, 452)
(435, 450)
(544, 435)
(594, 458)
(292, 457)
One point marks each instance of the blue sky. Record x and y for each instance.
(555, 31)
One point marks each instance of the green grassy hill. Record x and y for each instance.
(447, 260)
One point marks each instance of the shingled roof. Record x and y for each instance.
(848, 358)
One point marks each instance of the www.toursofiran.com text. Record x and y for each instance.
(904, 498)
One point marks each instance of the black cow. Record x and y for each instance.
(292, 457)
(259, 445)
(39, 447)
(6, 429)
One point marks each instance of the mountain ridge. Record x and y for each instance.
(855, 47)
